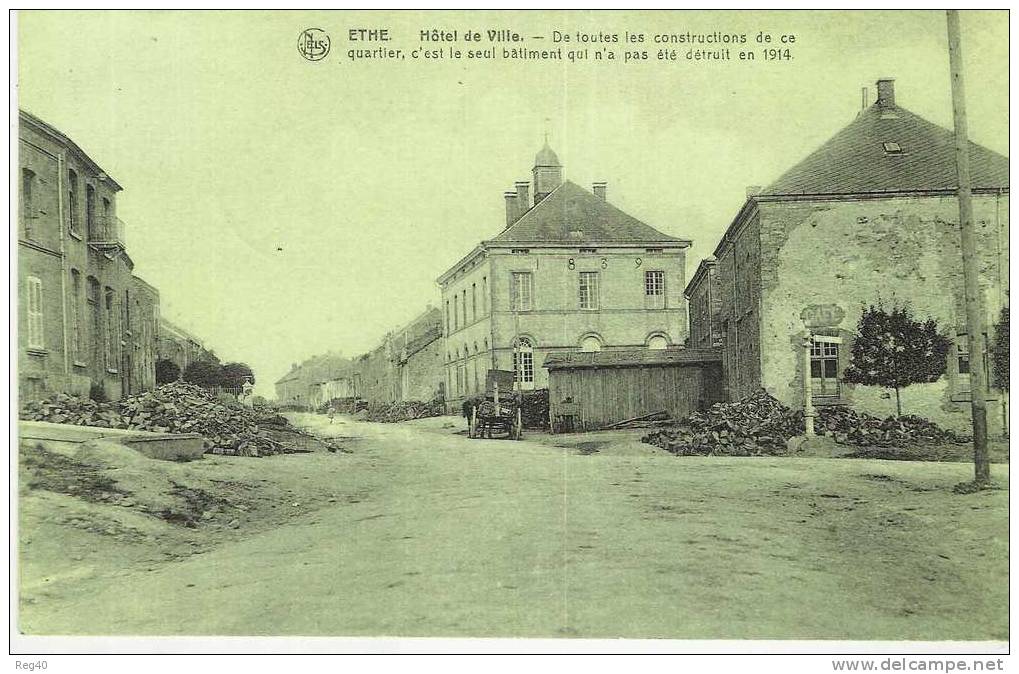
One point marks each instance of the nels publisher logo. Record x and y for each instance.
(313, 44)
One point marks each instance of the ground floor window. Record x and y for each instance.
(523, 364)
(824, 367)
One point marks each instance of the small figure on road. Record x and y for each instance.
(332, 414)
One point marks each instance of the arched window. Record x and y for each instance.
(657, 342)
(590, 343)
(523, 363)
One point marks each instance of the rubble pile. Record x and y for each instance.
(759, 424)
(176, 407)
(849, 427)
(756, 425)
(392, 412)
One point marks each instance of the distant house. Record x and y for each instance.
(568, 272)
(869, 216)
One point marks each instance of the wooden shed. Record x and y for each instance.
(604, 387)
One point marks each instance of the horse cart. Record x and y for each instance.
(497, 411)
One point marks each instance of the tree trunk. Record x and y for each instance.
(898, 404)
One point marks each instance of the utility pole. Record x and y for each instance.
(970, 264)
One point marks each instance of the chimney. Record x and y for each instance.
(864, 96)
(523, 197)
(511, 207)
(886, 92)
(753, 190)
(599, 189)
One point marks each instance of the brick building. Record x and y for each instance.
(870, 216)
(568, 272)
(84, 319)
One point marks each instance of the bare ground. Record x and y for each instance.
(422, 532)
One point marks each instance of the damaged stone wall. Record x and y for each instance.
(853, 253)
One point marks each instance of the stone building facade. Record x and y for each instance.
(869, 218)
(84, 318)
(704, 299)
(180, 347)
(568, 272)
(406, 365)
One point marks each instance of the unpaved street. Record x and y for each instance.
(457, 537)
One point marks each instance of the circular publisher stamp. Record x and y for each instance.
(313, 44)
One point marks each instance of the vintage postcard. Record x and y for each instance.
(671, 325)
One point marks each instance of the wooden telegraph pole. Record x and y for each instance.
(970, 262)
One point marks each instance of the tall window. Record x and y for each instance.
(112, 338)
(33, 291)
(72, 201)
(127, 310)
(474, 301)
(456, 312)
(523, 364)
(588, 290)
(95, 334)
(463, 304)
(77, 347)
(90, 213)
(824, 367)
(654, 290)
(521, 291)
(447, 317)
(484, 296)
(27, 205)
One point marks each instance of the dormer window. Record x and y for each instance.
(892, 148)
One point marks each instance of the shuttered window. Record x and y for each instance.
(33, 291)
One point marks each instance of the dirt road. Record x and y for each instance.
(454, 537)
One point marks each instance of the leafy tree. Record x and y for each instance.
(204, 373)
(166, 371)
(894, 350)
(234, 375)
(1000, 352)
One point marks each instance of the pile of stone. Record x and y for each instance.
(231, 429)
(761, 425)
(393, 412)
(756, 425)
(849, 427)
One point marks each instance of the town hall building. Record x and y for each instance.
(568, 272)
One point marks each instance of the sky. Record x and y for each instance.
(286, 208)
